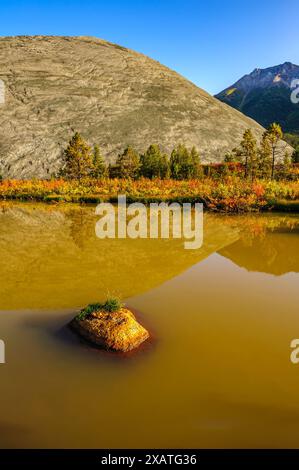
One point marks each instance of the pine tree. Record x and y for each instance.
(128, 163)
(164, 167)
(197, 171)
(154, 164)
(228, 158)
(99, 167)
(235, 156)
(182, 164)
(264, 157)
(77, 159)
(274, 134)
(295, 156)
(249, 152)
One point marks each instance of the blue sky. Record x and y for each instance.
(211, 42)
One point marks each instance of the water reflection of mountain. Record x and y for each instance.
(272, 250)
(51, 258)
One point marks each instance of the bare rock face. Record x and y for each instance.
(113, 96)
(117, 331)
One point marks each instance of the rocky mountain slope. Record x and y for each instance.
(113, 96)
(265, 95)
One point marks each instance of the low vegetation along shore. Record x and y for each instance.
(228, 195)
(251, 178)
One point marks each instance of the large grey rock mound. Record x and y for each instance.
(111, 95)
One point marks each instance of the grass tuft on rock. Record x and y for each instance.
(112, 304)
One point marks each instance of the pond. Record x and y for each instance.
(217, 372)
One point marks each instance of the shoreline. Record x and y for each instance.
(230, 195)
(283, 205)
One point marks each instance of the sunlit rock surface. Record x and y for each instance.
(117, 331)
(113, 96)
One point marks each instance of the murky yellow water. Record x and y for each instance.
(218, 372)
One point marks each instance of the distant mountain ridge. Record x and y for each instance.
(265, 96)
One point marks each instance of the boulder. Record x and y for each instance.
(117, 331)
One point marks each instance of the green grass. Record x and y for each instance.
(112, 304)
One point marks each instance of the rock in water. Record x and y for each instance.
(111, 95)
(118, 331)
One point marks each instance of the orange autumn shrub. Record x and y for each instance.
(231, 194)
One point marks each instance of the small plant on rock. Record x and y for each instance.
(112, 304)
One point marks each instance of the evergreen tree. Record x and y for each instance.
(128, 163)
(182, 164)
(99, 167)
(77, 159)
(235, 156)
(274, 134)
(295, 156)
(113, 171)
(154, 164)
(197, 171)
(164, 166)
(264, 158)
(249, 152)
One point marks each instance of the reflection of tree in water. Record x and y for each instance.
(256, 225)
(4, 207)
(267, 244)
(81, 224)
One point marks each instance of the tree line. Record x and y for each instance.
(257, 161)
(80, 161)
(293, 140)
